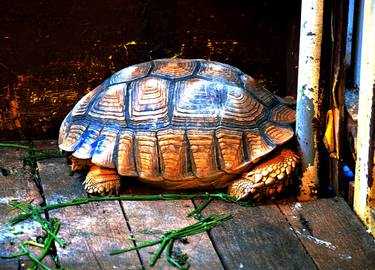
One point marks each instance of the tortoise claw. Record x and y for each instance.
(101, 181)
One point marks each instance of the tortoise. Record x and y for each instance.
(182, 124)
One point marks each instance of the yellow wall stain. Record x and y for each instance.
(34, 98)
(15, 115)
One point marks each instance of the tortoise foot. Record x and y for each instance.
(267, 179)
(102, 181)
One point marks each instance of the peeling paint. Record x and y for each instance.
(321, 242)
(9, 232)
(364, 188)
(308, 94)
(324, 243)
(297, 206)
(308, 188)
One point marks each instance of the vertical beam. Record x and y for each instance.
(364, 189)
(339, 17)
(349, 36)
(308, 93)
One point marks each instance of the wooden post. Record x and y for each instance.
(339, 19)
(308, 93)
(364, 189)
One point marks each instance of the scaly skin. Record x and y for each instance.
(98, 180)
(267, 179)
(102, 181)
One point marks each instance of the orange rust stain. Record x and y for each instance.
(14, 112)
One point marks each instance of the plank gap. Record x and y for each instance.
(212, 241)
(330, 232)
(163, 216)
(257, 238)
(93, 229)
(131, 234)
(296, 235)
(16, 183)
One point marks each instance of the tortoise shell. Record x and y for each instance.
(177, 123)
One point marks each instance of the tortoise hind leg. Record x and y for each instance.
(102, 180)
(268, 178)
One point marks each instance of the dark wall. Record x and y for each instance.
(53, 52)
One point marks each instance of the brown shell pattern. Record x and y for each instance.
(177, 123)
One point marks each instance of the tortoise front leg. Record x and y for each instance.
(102, 180)
(268, 178)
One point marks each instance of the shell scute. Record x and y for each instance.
(202, 151)
(81, 107)
(110, 105)
(149, 99)
(283, 114)
(257, 146)
(104, 151)
(73, 137)
(258, 91)
(125, 154)
(197, 101)
(89, 141)
(173, 155)
(130, 73)
(277, 134)
(242, 108)
(174, 68)
(231, 154)
(146, 155)
(219, 71)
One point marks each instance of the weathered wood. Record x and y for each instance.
(308, 94)
(257, 238)
(91, 230)
(331, 234)
(163, 216)
(16, 182)
(351, 106)
(339, 23)
(364, 191)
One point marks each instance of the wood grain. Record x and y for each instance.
(91, 230)
(16, 183)
(163, 216)
(257, 238)
(331, 233)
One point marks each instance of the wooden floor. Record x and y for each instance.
(322, 234)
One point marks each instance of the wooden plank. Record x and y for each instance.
(332, 234)
(16, 183)
(309, 95)
(351, 105)
(257, 238)
(170, 215)
(364, 190)
(92, 230)
(339, 11)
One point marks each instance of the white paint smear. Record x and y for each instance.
(324, 243)
(297, 206)
(318, 241)
(321, 242)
